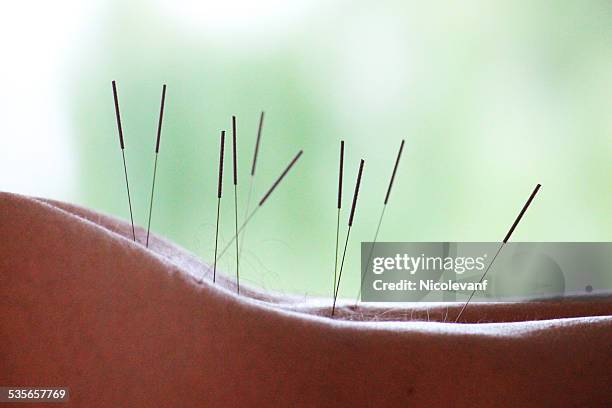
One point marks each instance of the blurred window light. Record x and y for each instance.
(36, 46)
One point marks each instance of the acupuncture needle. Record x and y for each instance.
(506, 238)
(159, 128)
(340, 175)
(382, 214)
(120, 128)
(219, 194)
(348, 233)
(252, 178)
(235, 200)
(262, 201)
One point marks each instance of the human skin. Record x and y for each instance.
(83, 306)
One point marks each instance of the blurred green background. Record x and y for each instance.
(491, 98)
